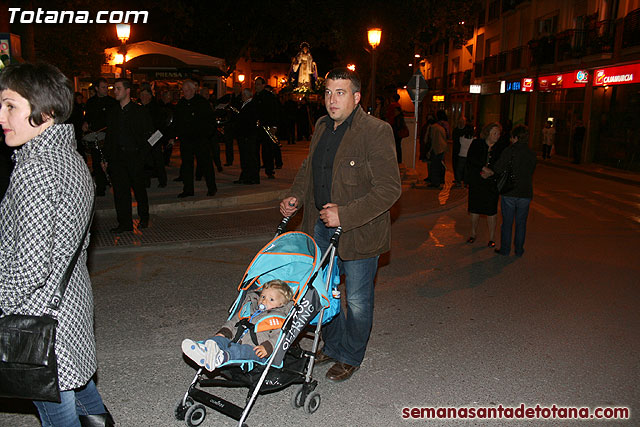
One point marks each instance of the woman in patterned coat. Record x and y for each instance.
(42, 220)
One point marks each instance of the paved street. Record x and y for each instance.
(455, 324)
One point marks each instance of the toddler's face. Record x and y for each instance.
(272, 298)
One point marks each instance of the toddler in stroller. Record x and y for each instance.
(282, 362)
(237, 340)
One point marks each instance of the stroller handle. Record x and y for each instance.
(336, 237)
(282, 227)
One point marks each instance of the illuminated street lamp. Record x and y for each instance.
(374, 34)
(123, 31)
(241, 78)
(351, 67)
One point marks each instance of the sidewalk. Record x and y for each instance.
(246, 211)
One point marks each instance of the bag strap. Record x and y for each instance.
(56, 299)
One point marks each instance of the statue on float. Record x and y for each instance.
(303, 70)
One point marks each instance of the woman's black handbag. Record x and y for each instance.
(507, 181)
(28, 367)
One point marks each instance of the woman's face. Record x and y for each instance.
(14, 119)
(494, 135)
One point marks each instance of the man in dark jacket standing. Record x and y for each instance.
(267, 107)
(98, 109)
(194, 122)
(350, 179)
(126, 145)
(155, 157)
(247, 132)
(515, 203)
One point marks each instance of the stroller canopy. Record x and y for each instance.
(292, 257)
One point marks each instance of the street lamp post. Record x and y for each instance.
(374, 34)
(123, 31)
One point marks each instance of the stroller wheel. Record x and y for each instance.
(181, 409)
(312, 402)
(195, 415)
(297, 400)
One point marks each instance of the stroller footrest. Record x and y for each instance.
(214, 402)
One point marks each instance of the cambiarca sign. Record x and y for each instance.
(617, 75)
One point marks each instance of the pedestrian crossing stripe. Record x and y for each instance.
(549, 213)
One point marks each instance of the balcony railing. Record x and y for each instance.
(631, 31)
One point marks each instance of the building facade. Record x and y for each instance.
(574, 62)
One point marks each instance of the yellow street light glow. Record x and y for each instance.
(240, 78)
(123, 31)
(375, 34)
(351, 67)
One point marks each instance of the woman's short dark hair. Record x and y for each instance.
(522, 133)
(47, 90)
(345, 74)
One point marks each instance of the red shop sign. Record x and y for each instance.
(563, 81)
(617, 75)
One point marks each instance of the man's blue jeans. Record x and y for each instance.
(513, 208)
(82, 401)
(346, 336)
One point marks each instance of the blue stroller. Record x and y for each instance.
(292, 257)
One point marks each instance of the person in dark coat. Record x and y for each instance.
(483, 193)
(514, 204)
(267, 109)
(126, 146)
(98, 108)
(230, 102)
(77, 120)
(155, 157)
(194, 124)
(247, 132)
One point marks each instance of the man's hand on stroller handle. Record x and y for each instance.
(329, 215)
(288, 206)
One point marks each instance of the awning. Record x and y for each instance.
(150, 56)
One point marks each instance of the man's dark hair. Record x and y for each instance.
(264, 82)
(126, 83)
(47, 90)
(522, 133)
(441, 115)
(345, 74)
(100, 80)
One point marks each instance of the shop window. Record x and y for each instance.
(547, 25)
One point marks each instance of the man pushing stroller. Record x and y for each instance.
(252, 335)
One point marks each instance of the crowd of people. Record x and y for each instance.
(478, 163)
(129, 141)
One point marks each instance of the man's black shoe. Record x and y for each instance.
(272, 176)
(212, 193)
(121, 229)
(184, 194)
(162, 185)
(240, 181)
(220, 169)
(178, 179)
(228, 164)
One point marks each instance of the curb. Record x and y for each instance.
(204, 204)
